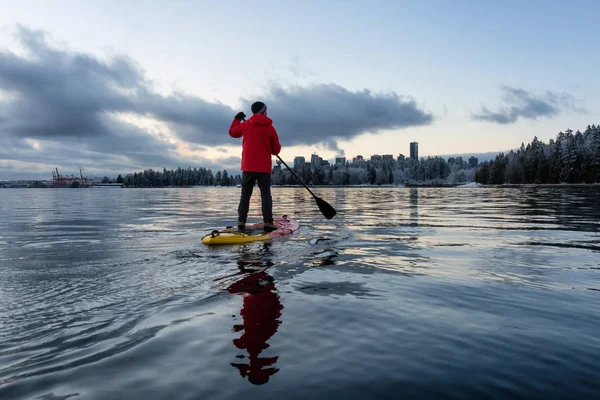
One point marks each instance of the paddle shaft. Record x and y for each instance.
(295, 176)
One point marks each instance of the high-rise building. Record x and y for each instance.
(339, 160)
(315, 161)
(299, 162)
(389, 157)
(357, 158)
(414, 150)
(375, 157)
(401, 157)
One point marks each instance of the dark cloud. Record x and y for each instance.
(328, 113)
(520, 103)
(70, 101)
(192, 118)
(61, 94)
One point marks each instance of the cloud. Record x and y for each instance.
(327, 113)
(71, 105)
(197, 147)
(520, 103)
(62, 94)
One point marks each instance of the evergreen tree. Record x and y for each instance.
(571, 163)
(346, 178)
(497, 169)
(224, 179)
(372, 175)
(483, 174)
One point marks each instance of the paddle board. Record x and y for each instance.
(252, 233)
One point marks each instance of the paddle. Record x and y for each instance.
(327, 210)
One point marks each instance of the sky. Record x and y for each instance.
(115, 87)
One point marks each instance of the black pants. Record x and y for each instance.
(264, 184)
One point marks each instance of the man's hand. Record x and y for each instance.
(240, 116)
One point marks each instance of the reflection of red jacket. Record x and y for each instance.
(261, 311)
(259, 143)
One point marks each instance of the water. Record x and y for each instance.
(422, 293)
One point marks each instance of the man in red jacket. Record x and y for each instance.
(259, 143)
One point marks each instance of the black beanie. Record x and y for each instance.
(258, 107)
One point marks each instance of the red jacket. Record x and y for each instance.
(259, 143)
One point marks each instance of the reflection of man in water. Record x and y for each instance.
(261, 311)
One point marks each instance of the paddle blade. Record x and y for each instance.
(328, 211)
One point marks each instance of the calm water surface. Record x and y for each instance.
(415, 293)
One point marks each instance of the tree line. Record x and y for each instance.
(179, 177)
(571, 158)
(434, 170)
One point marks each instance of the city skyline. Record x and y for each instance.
(300, 161)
